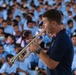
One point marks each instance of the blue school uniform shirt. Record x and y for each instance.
(25, 65)
(33, 58)
(7, 69)
(42, 65)
(3, 55)
(9, 48)
(20, 25)
(5, 14)
(17, 12)
(9, 29)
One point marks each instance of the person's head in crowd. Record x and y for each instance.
(18, 18)
(74, 6)
(33, 7)
(14, 2)
(34, 23)
(22, 9)
(24, 16)
(1, 49)
(38, 8)
(14, 22)
(1, 30)
(30, 24)
(54, 6)
(17, 48)
(8, 58)
(4, 4)
(17, 5)
(27, 34)
(41, 5)
(71, 4)
(70, 23)
(9, 21)
(13, 8)
(73, 37)
(16, 28)
(49, 7)
(68, 8)
(26, 9)
(46, 6)
(10, 40)
(59, 5)
(74, 9)
(70, 14)
(4, 23)
(10, 14)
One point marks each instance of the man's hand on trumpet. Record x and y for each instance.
(34, 46)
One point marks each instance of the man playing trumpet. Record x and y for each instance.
(59, 59)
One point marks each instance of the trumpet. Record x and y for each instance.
(12, 60)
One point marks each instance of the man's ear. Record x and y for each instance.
(54, 23)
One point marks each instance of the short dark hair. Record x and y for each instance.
(53, 15)
(26, 33)
(29, 21)
(8, 56)
(2, 28)
(17, 45)
(69, 21)
(18, 16)
(4, 21)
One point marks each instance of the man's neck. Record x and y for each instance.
(58, 29)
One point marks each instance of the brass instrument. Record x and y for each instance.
(12, 60)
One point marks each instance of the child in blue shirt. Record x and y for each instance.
(8, 68)
(10, 44)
